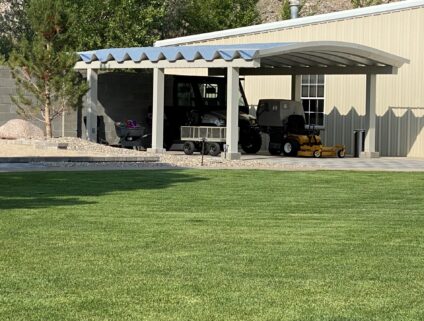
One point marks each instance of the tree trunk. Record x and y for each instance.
(48, 122)
(47, 110)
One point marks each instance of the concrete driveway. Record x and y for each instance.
(348, 163)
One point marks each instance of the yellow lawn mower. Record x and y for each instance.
(284, 121)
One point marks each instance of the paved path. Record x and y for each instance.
(247, 161)
(79, 159)
(69, 167)
(349, 163)
(14, 167)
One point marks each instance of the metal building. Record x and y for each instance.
(337, 103)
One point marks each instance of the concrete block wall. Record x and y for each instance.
(8, 109)
(7, 88)
(123, 96)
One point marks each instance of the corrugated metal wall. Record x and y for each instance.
(400, 98)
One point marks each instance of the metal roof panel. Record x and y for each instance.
(269, 55)
(188, 53)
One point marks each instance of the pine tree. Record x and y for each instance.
(42, 67)
(13, 24)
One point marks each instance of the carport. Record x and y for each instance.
(233, 61)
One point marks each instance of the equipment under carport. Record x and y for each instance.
(207, 140)
(284, 121)
(132, 135)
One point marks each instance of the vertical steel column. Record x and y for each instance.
(91, 120)
(371, 116)
(296, 87)
(232, 113)
(158, 110)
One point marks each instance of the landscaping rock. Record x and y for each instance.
(19, 128)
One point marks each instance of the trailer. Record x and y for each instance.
(203, 139)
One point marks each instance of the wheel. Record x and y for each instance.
(341, 153)
(189, 148)
(317, 154)
(253, 143)
(290, 147)
(214, 149)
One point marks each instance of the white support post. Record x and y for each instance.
(91, 120)
(371, 116)
(232, 113)
(158, 110)
(296, 87)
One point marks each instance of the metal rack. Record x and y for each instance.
(200, 133)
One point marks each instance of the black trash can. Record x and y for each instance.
(359, 142)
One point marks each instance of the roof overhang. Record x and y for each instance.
(323, 57)
(201, 63)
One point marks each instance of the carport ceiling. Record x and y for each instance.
(326, 57)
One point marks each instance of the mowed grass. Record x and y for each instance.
(212, 245)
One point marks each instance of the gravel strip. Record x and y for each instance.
(77, 146)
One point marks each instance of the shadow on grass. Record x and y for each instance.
(50, 189)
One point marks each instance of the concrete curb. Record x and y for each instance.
(80, 159)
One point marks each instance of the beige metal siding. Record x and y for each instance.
(400, 98)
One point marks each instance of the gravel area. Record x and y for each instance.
(48, 147)
(79, 147)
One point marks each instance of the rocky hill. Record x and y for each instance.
(270, 10)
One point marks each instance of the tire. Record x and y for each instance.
(253, 145)
(189, 148)
(341, 153)
(290, 147)
(214, 149)
(317, 154)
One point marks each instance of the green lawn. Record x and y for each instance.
(212, 245)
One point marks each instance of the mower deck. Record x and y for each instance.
(318, 151)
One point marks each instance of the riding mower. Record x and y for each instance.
(284, 121)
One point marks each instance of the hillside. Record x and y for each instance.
(270, 9)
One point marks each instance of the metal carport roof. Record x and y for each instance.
(261, 58)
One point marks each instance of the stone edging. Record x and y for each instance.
(80, 159)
